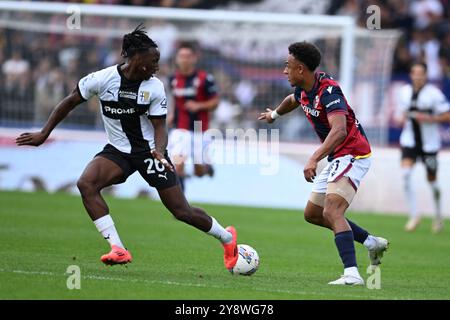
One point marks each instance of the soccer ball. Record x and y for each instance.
(248, 261)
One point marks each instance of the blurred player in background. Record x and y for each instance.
(194, 98)
(134, 107)
(345, 145)
(422, 108)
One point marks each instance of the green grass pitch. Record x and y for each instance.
(42, 234)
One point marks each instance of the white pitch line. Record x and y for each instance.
(186, 284)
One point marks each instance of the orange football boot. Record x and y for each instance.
(230, 255)
(116, 256)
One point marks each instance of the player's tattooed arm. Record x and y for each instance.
(61, 110)
(336, 136)
(287, 105)
(161, 139)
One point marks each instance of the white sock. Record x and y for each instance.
(409, 192)
(352, 271)
(219, 232)
(437, 198)
(105, 225)
(371, 242)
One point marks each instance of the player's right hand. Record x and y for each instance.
(160, 157)
(31, 139)
(266, 116)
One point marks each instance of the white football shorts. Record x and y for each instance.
(346, 166)
(194, 147)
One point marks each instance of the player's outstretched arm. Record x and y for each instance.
(159, 125)
(287, 105)
(61, 110)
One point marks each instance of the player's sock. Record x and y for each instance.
(346, 247)
(409, 191)
(359, 234)
(105, 225)
(352, 271)
(437, 198)
(219, 232)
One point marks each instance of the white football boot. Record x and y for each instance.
(376, 253)
(412, 224)
(350, 280)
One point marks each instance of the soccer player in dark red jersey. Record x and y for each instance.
(194, 98)
(345, 145)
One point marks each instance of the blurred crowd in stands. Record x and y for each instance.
(38, 70)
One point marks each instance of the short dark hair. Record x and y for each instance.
(136, 41)
(419, 63)
(188, 45)
(306, 53)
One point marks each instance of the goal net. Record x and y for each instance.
(48, 47)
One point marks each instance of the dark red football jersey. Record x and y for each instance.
(325, 99)
(200, 86)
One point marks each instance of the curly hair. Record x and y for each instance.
(136, 41)
(306, 53)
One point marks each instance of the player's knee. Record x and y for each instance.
(310, 217)
(331, 214)
(85, 186)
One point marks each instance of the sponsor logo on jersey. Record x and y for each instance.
(185, 92)
(333, 102)
(308, 110)
(119, 110)
(128, 95)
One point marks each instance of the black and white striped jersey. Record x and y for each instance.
(126, 107)
(430, 100)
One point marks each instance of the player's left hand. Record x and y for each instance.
(309, 171)
(31, 139)
(160, 157)
(192, 106)
(266, 116)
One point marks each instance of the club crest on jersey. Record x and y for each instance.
(316, 102)
(144, 97)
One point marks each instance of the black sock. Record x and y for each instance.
(359, 233)
(346, 248)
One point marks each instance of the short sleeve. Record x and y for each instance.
(333, 100)
(89, 86)
(158, 103)
(297, 94)
(210, 86)
(404, 99)
(440, 103)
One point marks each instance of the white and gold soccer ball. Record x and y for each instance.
(248, 261)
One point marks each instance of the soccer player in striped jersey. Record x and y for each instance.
(346, 148)
(194, 98)
(423, 107)
(133, 105)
